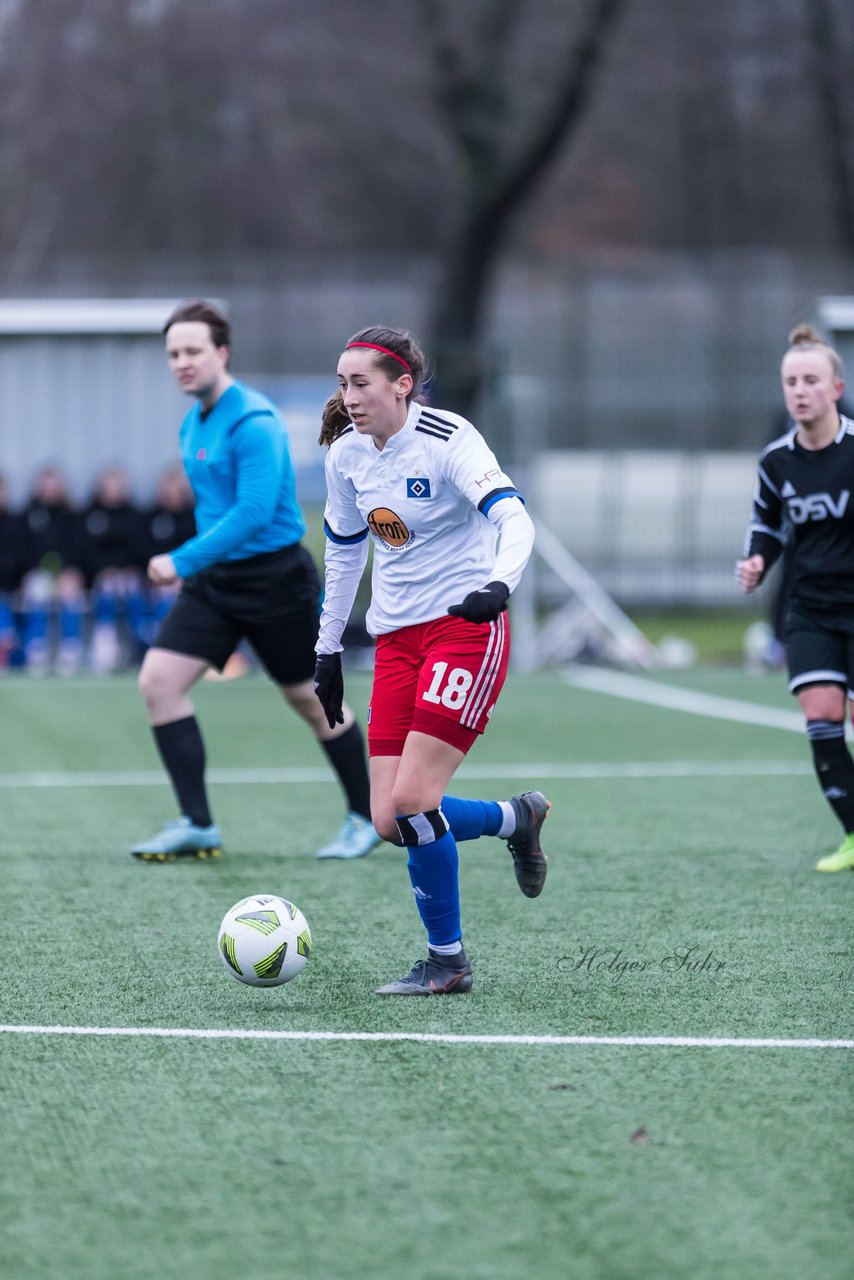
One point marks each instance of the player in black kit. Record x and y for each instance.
(805, 483)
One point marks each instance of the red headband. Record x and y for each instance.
(384, 350)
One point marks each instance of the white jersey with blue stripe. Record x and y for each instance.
(433, 502)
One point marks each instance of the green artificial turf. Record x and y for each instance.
(131, 1156)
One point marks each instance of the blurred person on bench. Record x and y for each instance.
(53, 599)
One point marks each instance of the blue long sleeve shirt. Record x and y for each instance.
(237, 460)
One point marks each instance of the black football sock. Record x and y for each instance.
(834, 767)
(183, 754)
(347, 756)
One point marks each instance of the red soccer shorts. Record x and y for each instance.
(441, 678)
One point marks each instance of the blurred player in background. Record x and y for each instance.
(805, 492)
(53, 593)
(11, 560)
(245, 575)
(451, 539)
(113, 578)
(774, 653)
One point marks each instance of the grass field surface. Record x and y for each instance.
(651, 1079)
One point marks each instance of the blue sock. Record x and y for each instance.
(105, 608)
(70, 622)
(135, 611)
(469, 819)
(35, 624)
(433, 871)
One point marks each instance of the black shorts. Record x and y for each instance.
(271, 600)
(819, 648)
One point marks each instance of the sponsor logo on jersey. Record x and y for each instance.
(201, 455)
(817, 506)
(388, 528)
(788, 489)
(489, 477)
(418, 487)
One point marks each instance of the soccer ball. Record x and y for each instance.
(264, 940)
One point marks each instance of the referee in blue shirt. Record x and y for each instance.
(245, 575)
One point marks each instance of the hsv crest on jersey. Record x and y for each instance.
(423, 512)
(388, 527)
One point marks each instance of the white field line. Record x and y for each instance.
(536, 770)
(617, 684)
(642, 689)
(423, 1037)
(596, 680)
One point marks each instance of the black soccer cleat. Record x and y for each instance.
(435, 976)
(529, 861)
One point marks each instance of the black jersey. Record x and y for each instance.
(806, 497)
(12, 550)
(110, 534)
(162, 530)
(52, 537)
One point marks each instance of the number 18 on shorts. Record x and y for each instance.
(441, 678)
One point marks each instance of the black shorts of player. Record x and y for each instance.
(272, 600)
(819, 647)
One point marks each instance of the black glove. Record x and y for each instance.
(483, 605)
(329, 687)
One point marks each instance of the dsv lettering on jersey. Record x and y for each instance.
(817, 506)
(389, 528)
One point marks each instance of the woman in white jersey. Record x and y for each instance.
(451, 539)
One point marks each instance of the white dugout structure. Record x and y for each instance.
(83, 385)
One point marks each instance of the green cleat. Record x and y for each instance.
(842, 859)
(180, 839)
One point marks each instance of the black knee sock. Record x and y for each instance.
(183, 754)
(347, 757)
(834, 767)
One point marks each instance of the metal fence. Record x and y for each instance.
(631, 397)
(653, 526)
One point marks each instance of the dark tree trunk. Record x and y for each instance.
(829, 99)
(494, 186)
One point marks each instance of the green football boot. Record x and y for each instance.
(841, 860)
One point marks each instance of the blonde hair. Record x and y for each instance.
(805, 338)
